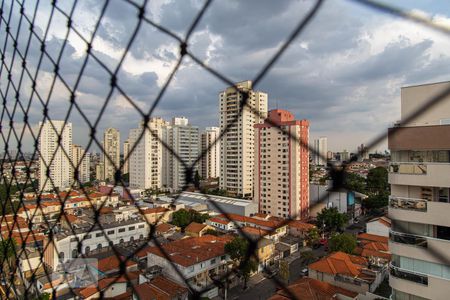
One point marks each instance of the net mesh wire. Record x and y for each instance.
(21, 36)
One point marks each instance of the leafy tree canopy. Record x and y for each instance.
(344, 242)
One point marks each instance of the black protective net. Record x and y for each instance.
(26, 53)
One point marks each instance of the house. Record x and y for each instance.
(161, 288)
(196, 259)
(111, 265)
(347, 271)
(312, 289)
(157, 215)
(299, 229)
(196, 229)
(373, 247)
(105, 288)
(379, 226)
(164, 229)
(230, 222)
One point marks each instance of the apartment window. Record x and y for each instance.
(121, 229)
(88, 236)
(110, 232)
(98, 234)
(131, 228)
(141, 226)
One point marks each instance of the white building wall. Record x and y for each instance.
(57, 157)
(377, 228)
(237, 145)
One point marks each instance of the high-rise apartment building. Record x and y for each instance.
(210, 163)
(237, 147)
(183, 139)
(282, 166)
(126, 163)
(111, 147)
(56, 154)
(81, 160)
(146, 161)
(320, 147)
(419, 205)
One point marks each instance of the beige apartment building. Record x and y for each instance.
(82, 161)
(55, 155)
(282, 166)
(147, 158)
(126, 163)
(419, 205)
(237, 148)
(210, 163)
(111, 147)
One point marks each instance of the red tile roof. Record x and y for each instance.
(195, 227)
(164, 227)
(160, 288)
(301, 225)
(113, 263)
(373, 237)
(340, 263)
(312, 289)
(155, 210)
(190, 251)
(383, 220)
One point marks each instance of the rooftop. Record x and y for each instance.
(190, 251)
(312, 289)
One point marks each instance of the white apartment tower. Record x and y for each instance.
(126, 163)
(111, 146)
(282, 166)
(237, 148)
(320, 151)
(56, 154)
(419, 205)
(81, 160)
(146, 161)
(210, 163)
(183, 139)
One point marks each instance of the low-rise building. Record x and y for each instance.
(347, 271)
(196, 229)
(308, 289)
(379, 226)
(197, 259)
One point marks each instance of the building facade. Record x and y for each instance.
(82, 161)
(55, 154)
(147, 157)
(183, 139)
(420, 204)
(320, 153)
(237, 145)
(282, 166)
(210, 163)
(126, 163)
(111, 154)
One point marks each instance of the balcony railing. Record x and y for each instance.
(408, 203)
(409, 239)
(414, 168)
(408, 275)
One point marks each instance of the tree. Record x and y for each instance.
(376, 201)
(7, 256)
(197, 179)
(308, 257)
(344, 242)
(237, 249)
(377, 180)
(355, 182)
(332, 219)
(213, 232)
(181, 218)
(313, 236)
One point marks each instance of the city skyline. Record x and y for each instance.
(344, 103)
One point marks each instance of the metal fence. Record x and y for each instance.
(18, 28)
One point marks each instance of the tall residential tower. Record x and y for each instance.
(111, 147)
(420, 199)
(237, 148)
(282, 166)
(210, 163)
(56, 154)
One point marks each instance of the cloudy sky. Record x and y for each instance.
(343, 73)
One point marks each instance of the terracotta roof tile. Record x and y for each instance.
(190, 251)
(195, 227)
(340, 263)
(373, 237)
(312, 289)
